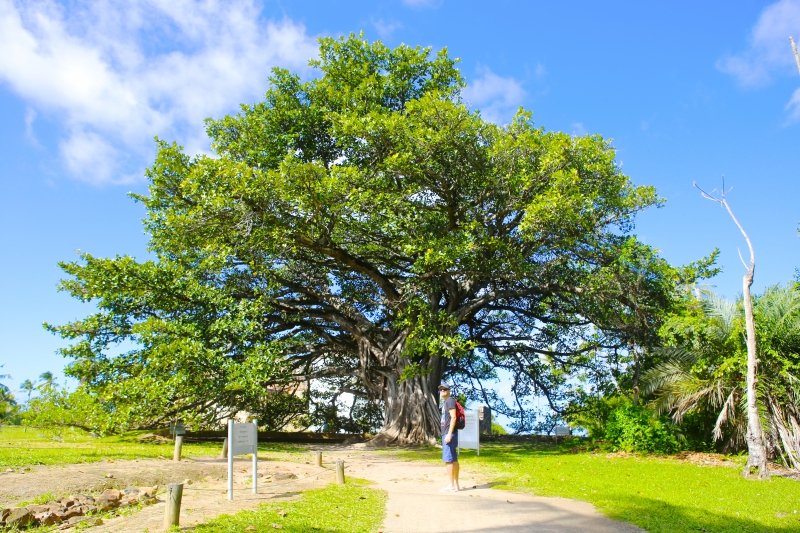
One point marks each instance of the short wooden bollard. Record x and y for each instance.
(176, 456)
(340, 472)
(224, 453)
(172, 511)
(318, 458)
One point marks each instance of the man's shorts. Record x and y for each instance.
(450, 451)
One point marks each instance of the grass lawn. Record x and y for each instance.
(350, 508)
(20, 447)
(657, 494)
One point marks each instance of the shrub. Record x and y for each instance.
(591, 414)
(633, 428)
(497, 429)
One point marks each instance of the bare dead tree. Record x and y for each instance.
(756, 448)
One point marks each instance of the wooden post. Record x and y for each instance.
(176, 456)
(172, 511)
(224, 453)
(255, 457)
(340, 472)
(318, 458)
(229, 440)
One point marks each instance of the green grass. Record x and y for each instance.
(349, 508)
(41, 499)
(22, 447)
(657, 494)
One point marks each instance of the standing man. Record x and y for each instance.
(449, 438)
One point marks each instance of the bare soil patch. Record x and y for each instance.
(706, 459)
(22, 485)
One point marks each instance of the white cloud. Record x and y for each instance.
(579, 129)
(794, 106)
(30, 134)
(385, 29)
(88, 152)
(768, 50)
(496, 97)
(115, 74)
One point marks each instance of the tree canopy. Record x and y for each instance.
(365, 227)
(8, 405)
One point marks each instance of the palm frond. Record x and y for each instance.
(677, 364)
(726, 311)
(676, 389)
(727, 415)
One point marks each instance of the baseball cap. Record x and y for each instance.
(444, 386)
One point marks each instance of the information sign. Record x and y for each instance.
(242, 438)
(469, 437)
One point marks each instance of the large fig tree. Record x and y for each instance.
(367, 226)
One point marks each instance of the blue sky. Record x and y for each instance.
(687, 91)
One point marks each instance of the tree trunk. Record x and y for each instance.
(756, 450)
(411, 410)
(756, 447)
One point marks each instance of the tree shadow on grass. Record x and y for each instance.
(659, 516)
(651, 515)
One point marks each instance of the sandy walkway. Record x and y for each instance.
(414, 505)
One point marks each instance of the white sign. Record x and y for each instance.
(469, 437)
(242, 438)
(562, 431)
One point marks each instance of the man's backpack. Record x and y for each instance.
(461, 419)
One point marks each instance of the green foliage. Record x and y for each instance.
(661, 495)
(697, 427)
(497, 429)
(353, 507)
(60, 408)
(28, 387)
(615, 422)
(365, 224)
(633, 428)
(591, 413)
(8, 405)
(702, 375)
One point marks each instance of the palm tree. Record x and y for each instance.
(704, 371)
(689, 378)
(779, 333)
(7, 403)
(27, 386)
(46, 380)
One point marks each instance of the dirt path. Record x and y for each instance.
(416, 504)
(414, 501)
